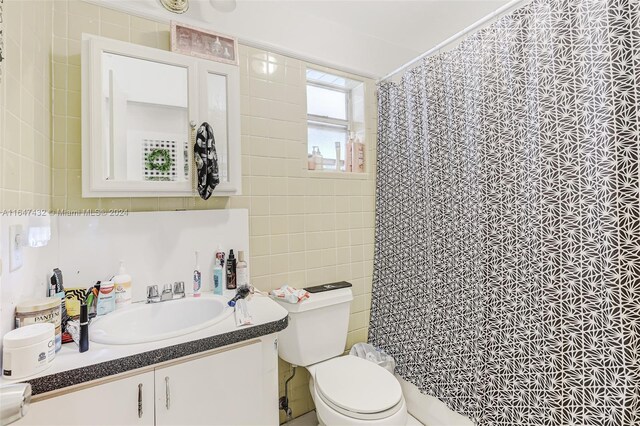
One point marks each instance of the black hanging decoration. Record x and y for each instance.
(206, 158)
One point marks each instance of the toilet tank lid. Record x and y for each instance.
(318, 300)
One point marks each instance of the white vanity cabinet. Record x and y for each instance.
(126, 401)
(141, 108)
(237, 385)
(226, 389)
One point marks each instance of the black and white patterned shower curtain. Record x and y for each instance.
(507, 266)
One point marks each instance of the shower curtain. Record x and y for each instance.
(507, 266)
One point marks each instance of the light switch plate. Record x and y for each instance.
(15, 247)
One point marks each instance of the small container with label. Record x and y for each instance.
(28, 350)
(37, 311)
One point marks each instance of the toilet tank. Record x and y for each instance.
(317, 328)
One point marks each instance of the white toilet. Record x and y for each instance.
(347, 390)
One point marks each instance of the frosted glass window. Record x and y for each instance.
(326, 102)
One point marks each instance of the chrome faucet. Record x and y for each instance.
(167, 293)
(152, 294)
(170, 292)
(178, 290)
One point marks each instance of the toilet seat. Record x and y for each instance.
(357, 388)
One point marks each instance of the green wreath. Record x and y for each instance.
(159, 159)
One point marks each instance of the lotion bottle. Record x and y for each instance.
(242, 275)
(122, 285)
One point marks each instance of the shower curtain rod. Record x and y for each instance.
(494, 15)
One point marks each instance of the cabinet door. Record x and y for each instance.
(126, 401)
(219, 105)
(221, 389)
(138, 104)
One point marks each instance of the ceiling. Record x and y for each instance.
(367, 37)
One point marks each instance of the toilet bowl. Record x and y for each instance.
(346, 390)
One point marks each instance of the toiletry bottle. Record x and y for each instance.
(218, 272)
(218, 284)
(348, 156)
(197, 278)
(220, 256)
(56, 289)
(311, 162)
(106, 298)
(122, 283)
(358, 157)
(231, 271)
(317, 157)
(242, 275)
(338, 159)
(84, 328)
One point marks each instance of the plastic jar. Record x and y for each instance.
(28, 350)
(37, 311)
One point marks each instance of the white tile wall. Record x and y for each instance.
(304, 228)
(30, 281)
(158, 248)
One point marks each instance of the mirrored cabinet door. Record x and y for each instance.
(141, 109)
(146, 120)
(222, 112)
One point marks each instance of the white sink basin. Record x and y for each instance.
(140, 322)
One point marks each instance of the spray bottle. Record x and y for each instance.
(218, 272)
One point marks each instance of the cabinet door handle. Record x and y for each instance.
(139, 400)
(167, 393)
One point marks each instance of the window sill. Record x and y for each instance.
(337, 175)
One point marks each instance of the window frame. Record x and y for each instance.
(348, 125)
(334, 122)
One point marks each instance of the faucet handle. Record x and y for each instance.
(178, 287)
(168, 288)
(152, 292)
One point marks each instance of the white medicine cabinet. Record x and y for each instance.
(141, 108)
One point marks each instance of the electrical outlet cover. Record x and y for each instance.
(15, 247)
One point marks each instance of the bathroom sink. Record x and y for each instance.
(140, 322)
